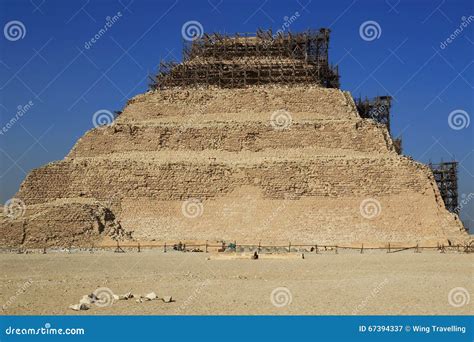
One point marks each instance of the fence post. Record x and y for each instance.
(119, 249)
(139, 247)
(289, 247)
(165, 247)
(336, 250)
(388, 248)
(206, 246)
(362, 249)
(316, 249)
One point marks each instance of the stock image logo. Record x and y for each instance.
(110, 21)
(281, 119)
(370, 30)
(370, 208)
(281, 297)
(14, 30)
(192, 208)
(105, 297)
(102, 117)
(192, 30)
(458, 119)
(14, 208)
(458, 297)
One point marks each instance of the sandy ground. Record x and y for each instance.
(402, 283)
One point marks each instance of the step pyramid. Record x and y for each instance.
(265, 149)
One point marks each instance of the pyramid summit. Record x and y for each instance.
(248, 139)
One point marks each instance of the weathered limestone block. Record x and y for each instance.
(360, 136)
(216, 151)
(60, 223)
(152, 175)
(247, 216)
(317, 102)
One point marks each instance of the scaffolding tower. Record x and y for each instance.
(446, 176)
(378, 109)
(244, 59)
(397, 143)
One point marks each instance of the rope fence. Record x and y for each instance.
(123, 247)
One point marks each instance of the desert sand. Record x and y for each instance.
(373, 283)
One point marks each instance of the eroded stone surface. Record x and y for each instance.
(216, 151)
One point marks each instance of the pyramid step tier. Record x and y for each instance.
(176, 176)
(320, 103)
(324, 199)
(358, 136)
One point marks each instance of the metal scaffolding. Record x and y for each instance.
(446, 176)
(310, 46)
(377, 109)
(397, 142)
(244, 59)
(445, 173)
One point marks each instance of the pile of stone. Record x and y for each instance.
(152, 296)
(104, 300)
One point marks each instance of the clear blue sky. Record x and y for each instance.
(67, 83)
